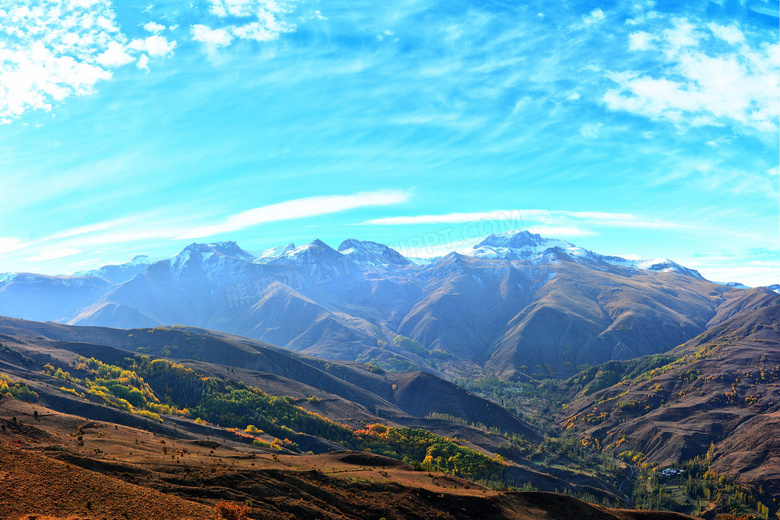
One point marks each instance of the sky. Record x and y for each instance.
(643, 128)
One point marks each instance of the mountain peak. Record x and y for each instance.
(514, 245)
(227, 248)
(273, 253)
(313, 252)
(520, 239)
(371, 253)
(120, 273)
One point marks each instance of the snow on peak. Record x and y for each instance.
(316, 251)
(139, 260)
(371, 253)
(228, 248)
(663, 265)
(119, 273)
(524, 245)
(273, 253)
(521, 239)
(736, 285)
(514, 245)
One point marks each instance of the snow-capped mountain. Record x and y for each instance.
(312, 253)
(206, 258)
(371, 253)
(119, 273)
(523, 245)
(736, 285)
(512, 298)
(775, 288)
(273, 253)
(663, 265)
(515, 245)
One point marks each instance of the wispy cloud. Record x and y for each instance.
(8, 244)
(553, 231)
(299, 208)
(92, 261)
(53, 255)
(551, 219)
(85, 230)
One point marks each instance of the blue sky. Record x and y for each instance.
(631, 128)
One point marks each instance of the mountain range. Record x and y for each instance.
(518, 304)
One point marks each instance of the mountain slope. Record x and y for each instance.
(385, 394)
(723, 387)
(120, 273)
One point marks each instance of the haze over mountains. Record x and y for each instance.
(518, 304)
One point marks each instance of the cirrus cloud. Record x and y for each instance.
(298, 208)
(560, 219)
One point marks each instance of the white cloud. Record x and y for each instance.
(699, 87)
(8, 244)
(728, 33)
(594, 17)
(299, 208)
(56, 50)
(114, 56)
(53, 254)
(154, 28)
(143, 63)
(238, 8)
(261, 21)
(554, 218)
(153, 45)
(259, 32)
(591, 130)
(640, 41)
(212, 37)
(87, 229)
(682, 34)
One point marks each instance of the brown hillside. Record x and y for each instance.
(723, 388)
(122, 473)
